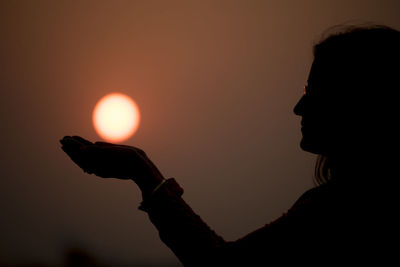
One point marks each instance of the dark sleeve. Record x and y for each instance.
(182, 230)
(196, 244)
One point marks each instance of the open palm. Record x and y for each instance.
(110, 160)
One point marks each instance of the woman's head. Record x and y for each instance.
(351, 89)
(351, 93)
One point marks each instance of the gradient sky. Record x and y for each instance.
(216, 83)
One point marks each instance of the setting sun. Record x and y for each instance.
(116, 117)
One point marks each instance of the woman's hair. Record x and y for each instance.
(364, 61)
(322, 170)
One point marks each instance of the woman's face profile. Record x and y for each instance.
(314, 108)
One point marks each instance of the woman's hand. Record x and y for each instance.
(109, 160)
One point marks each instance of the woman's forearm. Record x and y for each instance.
(180, 228)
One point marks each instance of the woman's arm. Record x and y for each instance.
(180, 228)
(283, 241)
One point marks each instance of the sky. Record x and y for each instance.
(215, 82)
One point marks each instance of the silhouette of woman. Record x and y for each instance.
(349, 114)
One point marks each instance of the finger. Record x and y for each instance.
(80, 154)
(62, 141)
(94, 159)
(122, 147)
(72, 147)
(70, 143)
(68, 138)
(82, 140)
(81, 157)
(100, 143)
(75, 142)
(74, 156)
(73, 151)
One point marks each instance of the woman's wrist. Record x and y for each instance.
(149, 184)
(168, 190)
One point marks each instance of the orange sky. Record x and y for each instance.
(216, 82)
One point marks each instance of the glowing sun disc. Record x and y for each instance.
(116, 117)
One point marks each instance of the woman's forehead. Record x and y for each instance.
(321, 70)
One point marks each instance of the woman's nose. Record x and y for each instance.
(299, 108)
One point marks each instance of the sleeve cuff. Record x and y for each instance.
(170, 188)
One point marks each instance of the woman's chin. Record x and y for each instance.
(311, 147)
